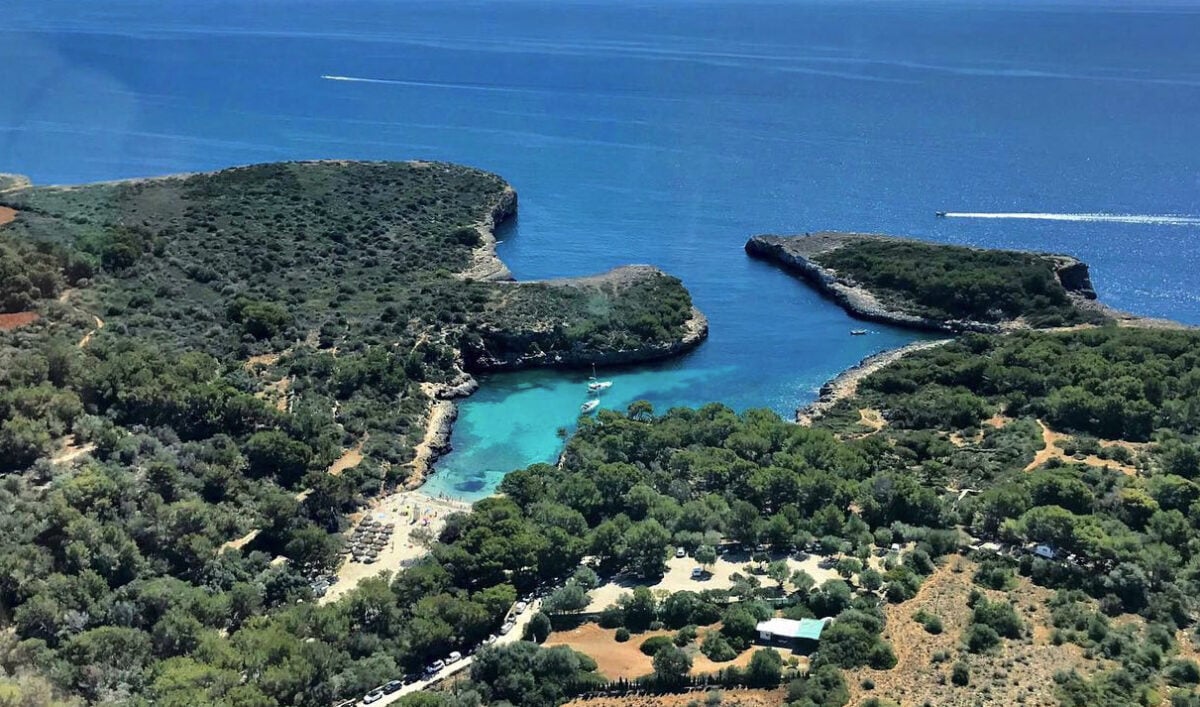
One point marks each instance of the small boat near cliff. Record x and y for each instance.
(858, 332)
(589, 406)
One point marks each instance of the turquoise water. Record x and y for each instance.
(662, 132)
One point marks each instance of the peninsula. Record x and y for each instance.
(937, 287)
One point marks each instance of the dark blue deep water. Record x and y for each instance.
(662, 132)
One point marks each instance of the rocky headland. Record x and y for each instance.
(800, 254)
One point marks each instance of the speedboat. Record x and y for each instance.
(940, 214)
(589, 406)
(858, 332)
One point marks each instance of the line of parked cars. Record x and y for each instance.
(438, 665)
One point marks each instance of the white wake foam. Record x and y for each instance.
(429, 84)
(1160, 220)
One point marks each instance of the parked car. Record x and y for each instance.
(520, 607)
(489, 640)
(392, 686)
(435, 666)
(455, 656)
(680, 552)
(508, 626)
(697, 572)
(373, 696)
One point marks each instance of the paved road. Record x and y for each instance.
(511, 637)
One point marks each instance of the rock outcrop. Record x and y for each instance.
(486, 265)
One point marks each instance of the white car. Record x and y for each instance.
(373, 696)
(521, 607)
(508, 626)
(454, 657)
(680, 552)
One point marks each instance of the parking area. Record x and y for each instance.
(719, 576)
(520, 621)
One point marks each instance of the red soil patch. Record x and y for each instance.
(7, 215)
(613, 660)
(744, 698)
(625, 660)
(8, 322)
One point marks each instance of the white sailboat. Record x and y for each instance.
(589, 406)
(596, 386)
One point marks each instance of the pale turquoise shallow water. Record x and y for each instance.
(662, 132)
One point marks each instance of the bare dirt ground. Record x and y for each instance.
(1021, 672)
(8, 322)
(273, 391)
(87, 338)
(349, 459)
(679, 577)
(7, 215)
(409, 510)
(616, 660)
(729, 698)
(871, 419)
(71, 452)
(238, 543)
(1051, 450)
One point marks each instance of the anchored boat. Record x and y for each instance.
(596, 386)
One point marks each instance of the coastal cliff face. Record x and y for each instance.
(797, 254)
(616, 321)
(13, 182)
(486, 265)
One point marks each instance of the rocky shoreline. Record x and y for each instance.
(14, 182)
(795, 254)
(486, 265)
(845, 384)
(531, 356)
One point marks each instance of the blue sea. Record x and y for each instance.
(662, 132)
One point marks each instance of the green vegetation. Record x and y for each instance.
(112, 568)
(116, 577)
(945, 282)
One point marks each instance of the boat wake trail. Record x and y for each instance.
(430, 84)
(1160, 220)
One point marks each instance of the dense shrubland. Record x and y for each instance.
(112, 573)
(115, 574)
(952, 282)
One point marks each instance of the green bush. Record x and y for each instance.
(622, 635)
(652, 645)
(961, 674)
(981, 638)
(716, 648)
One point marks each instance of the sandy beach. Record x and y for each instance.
(407, 511)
